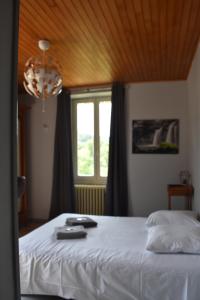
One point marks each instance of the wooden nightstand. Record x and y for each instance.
(180, 190)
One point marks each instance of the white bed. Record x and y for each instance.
(110, 264)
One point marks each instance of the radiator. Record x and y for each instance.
(90, 199)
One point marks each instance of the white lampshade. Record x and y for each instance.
(42, 76)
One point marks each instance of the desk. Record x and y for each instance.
(180, 190)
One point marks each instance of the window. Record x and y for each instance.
(91, 131)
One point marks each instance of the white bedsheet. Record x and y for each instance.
(110, 264)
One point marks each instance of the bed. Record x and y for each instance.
(111, 263)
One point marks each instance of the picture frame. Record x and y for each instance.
(158, 136)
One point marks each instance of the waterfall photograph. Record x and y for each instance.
(155, 136)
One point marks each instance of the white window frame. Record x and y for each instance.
(95, 98)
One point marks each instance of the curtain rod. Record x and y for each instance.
(91, 89)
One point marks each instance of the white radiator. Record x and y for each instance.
(90, 199)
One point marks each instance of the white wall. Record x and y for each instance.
(148, 175)
(40, 142)
(194, 126)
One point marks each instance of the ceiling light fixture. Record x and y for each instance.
(42, 76)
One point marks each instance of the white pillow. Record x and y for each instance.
(164, 217)
(174, 239)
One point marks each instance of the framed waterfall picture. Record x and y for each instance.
(155, 136)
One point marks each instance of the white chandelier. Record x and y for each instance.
(42, 76)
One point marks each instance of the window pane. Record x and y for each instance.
(104, 134)
(85, 139)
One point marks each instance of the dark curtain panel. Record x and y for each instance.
(116, 203)
(63, 195)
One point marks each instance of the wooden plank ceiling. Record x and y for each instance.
(100, 41)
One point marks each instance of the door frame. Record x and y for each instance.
(9, 261)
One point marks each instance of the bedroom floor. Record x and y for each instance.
(24, 229)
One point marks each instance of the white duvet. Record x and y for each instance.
(110, 264)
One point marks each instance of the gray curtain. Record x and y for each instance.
(63, 195)
(116, 200)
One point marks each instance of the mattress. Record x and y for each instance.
(111, 263)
